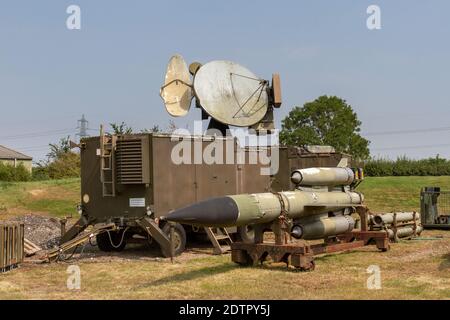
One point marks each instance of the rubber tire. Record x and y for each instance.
(179, 230)
(104, 244)
(244, 235)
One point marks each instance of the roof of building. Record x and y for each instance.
(9, 154)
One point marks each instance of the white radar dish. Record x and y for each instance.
(231, 94)
(177, 89)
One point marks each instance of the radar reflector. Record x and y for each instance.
(177, 89)
(231, 94)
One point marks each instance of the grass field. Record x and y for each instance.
(410, 270)
(55, 197)
(417, 269)
(386, 194)
(59, 197)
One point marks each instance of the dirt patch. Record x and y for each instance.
(89, 253)
(36, 192)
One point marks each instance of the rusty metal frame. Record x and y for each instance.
(301, 255)
(396, 225)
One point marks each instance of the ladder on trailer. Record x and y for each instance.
(220, 239)
(107, 165)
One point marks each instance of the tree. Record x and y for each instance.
(58, 149)
(67, 165)
(172, 127)
(154, 129)
(157, 129)
(61, 162)
(328, 120)
(121, 128)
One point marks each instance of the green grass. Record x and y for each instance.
(410, 270)
(53, 197)
(385, 194)
(59, 197)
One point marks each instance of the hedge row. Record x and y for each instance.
(67, 165)
(407, 167)
(11, 173)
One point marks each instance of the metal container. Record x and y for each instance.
(435, 208)
(11, 245)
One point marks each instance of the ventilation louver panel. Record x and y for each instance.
(129, 163)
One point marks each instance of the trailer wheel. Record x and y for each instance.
(104, 242)
(179, 238)
(246, 234)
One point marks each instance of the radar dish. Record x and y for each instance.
(231, 94)
(177, 89)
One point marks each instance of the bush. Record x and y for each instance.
(67, 165)
(407, 167)
(11, 173)
(40, 173)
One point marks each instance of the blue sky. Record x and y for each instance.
(396, 78)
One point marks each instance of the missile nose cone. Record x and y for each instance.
(296, 177)
(297, 232)
(215, 212)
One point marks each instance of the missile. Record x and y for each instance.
(388, 218)
(259, 208)
(404, 232)
(323, 177)
(323, 227)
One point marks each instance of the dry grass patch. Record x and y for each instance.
(339, 276)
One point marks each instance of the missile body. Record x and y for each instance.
(248, 209)
(323, 177)
(388, 218)
(322, 227)
(404, 232)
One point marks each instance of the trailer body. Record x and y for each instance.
(139, 178)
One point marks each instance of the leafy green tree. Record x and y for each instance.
(328, 120)
(11, 173)
(154, 129)
(171, 127)
(61, 162)
(67, 165)
(58, 149)
(121, 128)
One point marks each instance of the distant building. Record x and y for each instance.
(14, 158)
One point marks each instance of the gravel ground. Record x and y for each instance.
(43, 231)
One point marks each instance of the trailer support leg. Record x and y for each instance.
(76, 229)
(157, 234)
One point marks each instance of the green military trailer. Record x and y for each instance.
(131, 180)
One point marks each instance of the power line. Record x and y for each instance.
(409, 131)
(37, 134)
(413, 147)
(33, 147)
